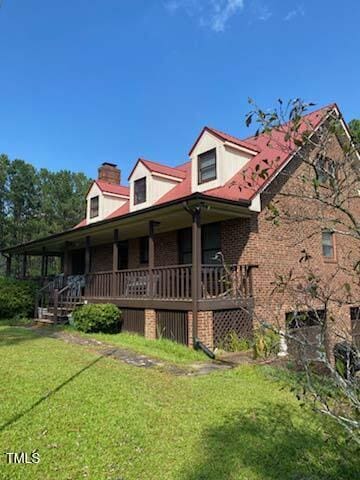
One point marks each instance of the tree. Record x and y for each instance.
(318, 194)
(62, 200)
(355, 130)
(36, 203)
(4, 167)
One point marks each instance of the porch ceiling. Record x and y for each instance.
(170, 217)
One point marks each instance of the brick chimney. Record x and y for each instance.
(108, 172)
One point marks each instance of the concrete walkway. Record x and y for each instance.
(133, 358)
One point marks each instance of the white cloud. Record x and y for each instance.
(263, 13)
(299, 10)
(211, 13)
(224, 12)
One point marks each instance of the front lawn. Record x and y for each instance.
(162, 349)
(96, 418)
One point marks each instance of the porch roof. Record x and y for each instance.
(171, 215)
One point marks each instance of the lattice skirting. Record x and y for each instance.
(228, 322)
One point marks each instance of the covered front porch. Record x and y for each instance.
(174, 251)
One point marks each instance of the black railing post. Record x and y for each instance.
(56, 305)
(151, 259)
(152, 225)
(115, 263)
(196, 266)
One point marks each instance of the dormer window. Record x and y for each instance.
(140, 191)
(94, 207)
(207, 166)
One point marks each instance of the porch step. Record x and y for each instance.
(46, 315)
(41, 321)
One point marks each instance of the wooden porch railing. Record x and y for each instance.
(171, 283)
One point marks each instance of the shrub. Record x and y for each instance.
(266, 343)
(233, 343)
(17, 298)
(97, 318)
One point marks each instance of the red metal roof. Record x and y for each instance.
(120, 211)
(226, 138)
(176, 172)
(112, 188)
(81, 224)
(273, 151)
(182, 189)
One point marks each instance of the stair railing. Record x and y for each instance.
(43, 297)
(69, 296)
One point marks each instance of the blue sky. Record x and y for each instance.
(87, 81)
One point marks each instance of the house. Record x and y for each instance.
(188, 252)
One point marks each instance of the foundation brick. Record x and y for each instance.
(150, 324)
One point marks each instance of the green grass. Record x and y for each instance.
(162, 349)
(96, 418)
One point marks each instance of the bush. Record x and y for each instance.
(97, 318)
(17, 298)
(266, 343)
(233, 343)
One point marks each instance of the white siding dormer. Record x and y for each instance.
(108, 203)
(157, 185)
(230, 159)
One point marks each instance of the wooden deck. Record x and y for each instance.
(167, 287)
(171, 283)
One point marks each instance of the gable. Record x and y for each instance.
(229, 160)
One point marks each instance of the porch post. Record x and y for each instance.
(87, 254)
(43, 263)
(151, 257)
(196, 267)
(66, 259)
(24, 265)
(46, 265)
(115, 261)
(8, 265)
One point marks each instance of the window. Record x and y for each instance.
(211, 244)
(94, 207)
(144, 250)
(78, 262)
(185, 243)
(207, 166)
(328, 244)
(140, 191)
(123, 255)
(325, 169)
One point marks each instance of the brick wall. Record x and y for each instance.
(166, 249)
(166, 253)
(256, 240)
(205, 328)
(190, 329)
(277, 249)
(150, 324)
(101, 258)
